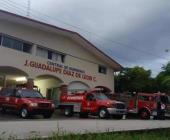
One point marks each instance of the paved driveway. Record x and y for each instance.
(44, 128)
(11, 124)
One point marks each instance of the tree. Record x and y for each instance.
(163, 79)
(134, 79)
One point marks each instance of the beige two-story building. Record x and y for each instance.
(49, 56)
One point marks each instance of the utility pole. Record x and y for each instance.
(28, 8)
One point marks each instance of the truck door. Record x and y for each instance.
(6, 98)
(13, 99)
(146, 101)
(2, 97)
(90, 103)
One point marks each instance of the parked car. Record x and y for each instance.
(26, 102)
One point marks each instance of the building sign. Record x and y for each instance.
(60, 69)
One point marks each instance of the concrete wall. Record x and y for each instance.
(44, 84)
(77, 54)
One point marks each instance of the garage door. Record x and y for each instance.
(77, 86)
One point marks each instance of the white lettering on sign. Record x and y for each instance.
(75, 98)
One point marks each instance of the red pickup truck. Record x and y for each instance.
(26, 102)
(92, 102)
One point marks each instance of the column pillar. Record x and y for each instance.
(4, 80)
(64, 89)
(34, 48)
(30, 83)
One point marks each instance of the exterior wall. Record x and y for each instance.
(44, 84)
(76, 57)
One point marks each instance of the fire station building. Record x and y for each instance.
(49, 57)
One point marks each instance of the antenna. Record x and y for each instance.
(28, 8)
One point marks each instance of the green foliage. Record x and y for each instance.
(163, 79)
(135, 79)
(162, 134)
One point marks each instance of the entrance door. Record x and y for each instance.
(53, 94)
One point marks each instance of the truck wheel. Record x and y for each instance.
(155, 117)
(118, 116)
(103, 113)
(68, 111)
(24, 113)
(83, 115)
(47, 115)
(144, 114)
(3, 110)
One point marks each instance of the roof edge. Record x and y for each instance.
(118, 68)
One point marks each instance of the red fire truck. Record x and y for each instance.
(92, 102)
(145, 105)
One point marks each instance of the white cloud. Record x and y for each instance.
(141, 26)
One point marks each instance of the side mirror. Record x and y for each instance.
(93, 99)
(18, 96)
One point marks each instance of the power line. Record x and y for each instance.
(10, 3)
(28, 8)
(114, 42)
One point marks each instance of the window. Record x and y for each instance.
(42, 52)
(12, 43)
(29, 94)
(15, 44)
(58, 57)
(27, 47)
(102, 69)
(90, 97)
(52, 55)
(145, 98)
(55, 57)
(101, 96)
(7, 92)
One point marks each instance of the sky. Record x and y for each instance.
(132, 32)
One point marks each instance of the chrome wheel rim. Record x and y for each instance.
(24, 113)
(66, 112)
(102, 114)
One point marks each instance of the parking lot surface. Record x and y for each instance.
(44, 128)
(12, 125)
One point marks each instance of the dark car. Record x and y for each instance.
(26, 102)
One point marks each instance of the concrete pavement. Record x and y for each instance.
(44, 128)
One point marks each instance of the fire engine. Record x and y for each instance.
(145, 104)
(92, 102)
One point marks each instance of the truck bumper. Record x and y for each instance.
(154, 113)
(115, 111)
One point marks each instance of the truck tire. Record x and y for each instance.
(3, 110)
(83, 115)
(47, 115)
(103, 113)
(144, 114)
(118, 117)
(24, 113)
(68, 111)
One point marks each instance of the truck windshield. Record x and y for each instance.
(29, 94)
(101, 96)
